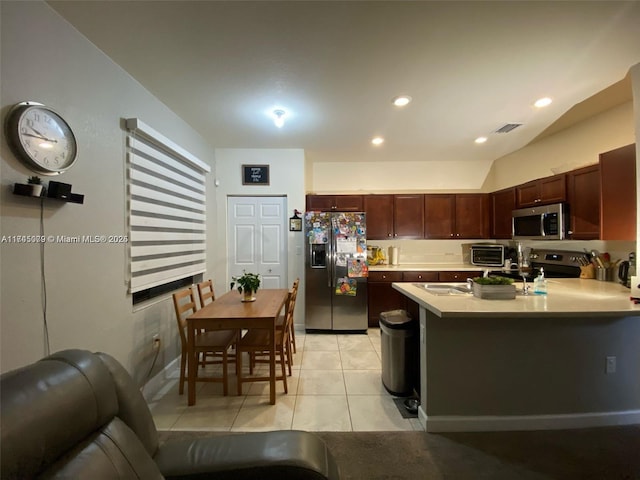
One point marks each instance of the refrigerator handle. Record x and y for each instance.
(330, 268)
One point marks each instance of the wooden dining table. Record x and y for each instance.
(230, 312)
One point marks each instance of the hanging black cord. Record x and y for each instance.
(43, 277)
(153, 364)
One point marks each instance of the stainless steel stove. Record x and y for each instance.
(556, 264)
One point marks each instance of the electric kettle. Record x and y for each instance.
(627, 269)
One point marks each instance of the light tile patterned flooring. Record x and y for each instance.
(335, 386)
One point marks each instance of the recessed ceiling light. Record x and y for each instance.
(278, 117)
(543, 102)
(377, 140)
(480, 139)
(401, 100)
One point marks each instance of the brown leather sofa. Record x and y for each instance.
(79, 415)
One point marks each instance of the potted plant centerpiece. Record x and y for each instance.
(36, 186)
(494, 288)
(248, 284)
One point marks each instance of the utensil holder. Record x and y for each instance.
(587, 271)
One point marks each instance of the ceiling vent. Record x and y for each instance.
(508, 127)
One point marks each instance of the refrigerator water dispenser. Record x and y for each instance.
(319, 255)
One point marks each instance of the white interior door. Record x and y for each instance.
(257, 238)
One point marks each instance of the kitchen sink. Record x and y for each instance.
(444, 289)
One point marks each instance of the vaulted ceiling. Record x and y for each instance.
(334, 67)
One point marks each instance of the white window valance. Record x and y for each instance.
(167, 209)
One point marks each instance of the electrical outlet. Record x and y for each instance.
(155, 340)
(611, 365)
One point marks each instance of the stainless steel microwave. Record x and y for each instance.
(547, 222)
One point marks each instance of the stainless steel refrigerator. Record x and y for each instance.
(336, 271)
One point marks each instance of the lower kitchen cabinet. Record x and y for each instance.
(461, 276)
(383, 297)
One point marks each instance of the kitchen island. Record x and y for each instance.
(569, 359)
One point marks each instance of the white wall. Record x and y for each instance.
(381, 177)
(571, 148)
(46, 60)
(286, 178)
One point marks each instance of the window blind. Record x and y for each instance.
(167, 209)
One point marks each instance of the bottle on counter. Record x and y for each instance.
(540, 283)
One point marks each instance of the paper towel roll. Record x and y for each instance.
(393, 256)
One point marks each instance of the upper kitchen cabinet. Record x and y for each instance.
(618, 190)
(394, 216)
(335, 203)
(542, 191)
(379, 210)
(408, 216)
(456, 216)
(503, 202)
(584, 203)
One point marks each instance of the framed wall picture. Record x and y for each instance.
(255, 174)
(295, 224)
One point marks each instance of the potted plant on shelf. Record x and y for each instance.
(494, 288)
(248, 284)
(36, 186)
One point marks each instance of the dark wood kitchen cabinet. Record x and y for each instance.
(379, 210)
(583, 185)
(456, 215)
(503, 202)
(335, 203)
(381, 296)
(457, 276)
(408, 216)
(618, 192)
(542, 191)
(394, 216)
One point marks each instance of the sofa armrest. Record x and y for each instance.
(282, 454)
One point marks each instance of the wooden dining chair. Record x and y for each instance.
(216, 342)
(206, 293)
(292, 330)
(256, 341)
(285, 321)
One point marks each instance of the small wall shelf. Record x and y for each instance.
(24, 190)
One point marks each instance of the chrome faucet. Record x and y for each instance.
(525, 287)
(470, 284)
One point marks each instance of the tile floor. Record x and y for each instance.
(335, 386)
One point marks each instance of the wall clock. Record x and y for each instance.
(41, 138)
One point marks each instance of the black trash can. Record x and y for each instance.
(400, 352)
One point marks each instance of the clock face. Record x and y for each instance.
(41, 138)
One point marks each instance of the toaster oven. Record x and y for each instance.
(487, 255)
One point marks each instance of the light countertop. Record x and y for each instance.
(567, 297)
(428, 267)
